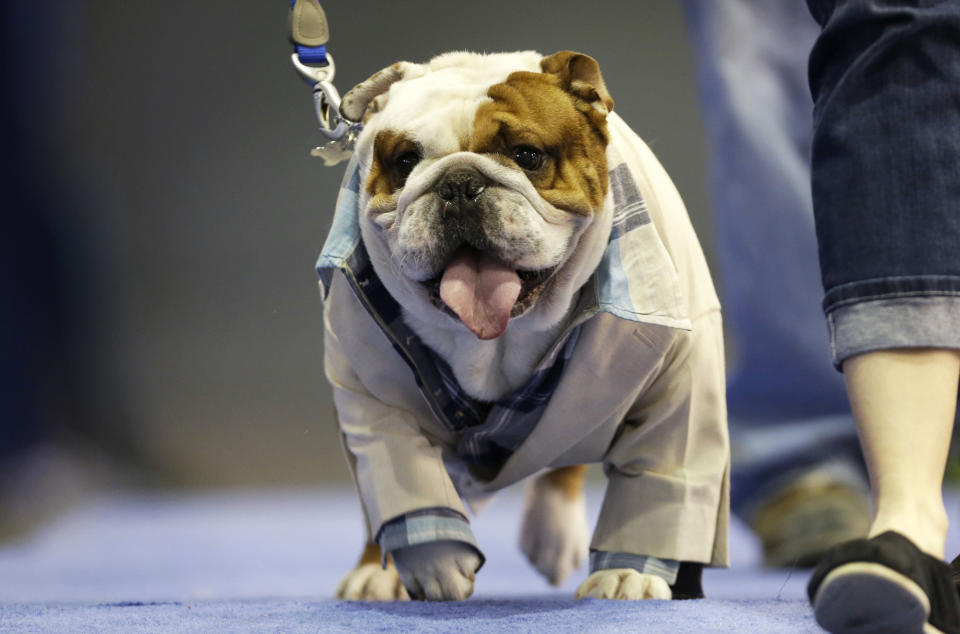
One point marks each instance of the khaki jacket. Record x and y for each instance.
(643, 394)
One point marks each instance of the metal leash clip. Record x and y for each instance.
(340, 134)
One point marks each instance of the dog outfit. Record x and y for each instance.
(635, 381)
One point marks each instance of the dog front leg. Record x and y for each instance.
(438, 571)
(623, 583)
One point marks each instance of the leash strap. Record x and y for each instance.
(309, 33)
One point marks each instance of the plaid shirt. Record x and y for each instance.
(489, 433)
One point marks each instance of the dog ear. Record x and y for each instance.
(580, 75)
(356, 102)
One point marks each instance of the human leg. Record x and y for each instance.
(886, 80)
(904, 403)
(796, 475)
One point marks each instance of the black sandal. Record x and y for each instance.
(884, 584)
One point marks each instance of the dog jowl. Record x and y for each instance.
(512, 289)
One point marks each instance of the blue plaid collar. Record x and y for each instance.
(490, 432)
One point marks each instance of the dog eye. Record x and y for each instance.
(405, 163)
(527, 157)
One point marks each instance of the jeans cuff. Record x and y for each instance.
(885, 324)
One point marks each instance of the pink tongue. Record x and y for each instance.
(481, 291)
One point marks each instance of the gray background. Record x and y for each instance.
(181, 134)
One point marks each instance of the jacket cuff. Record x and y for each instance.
(424, 526)
(666, 569)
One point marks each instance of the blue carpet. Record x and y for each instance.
(268, 561)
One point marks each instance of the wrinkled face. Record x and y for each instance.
(480, 181)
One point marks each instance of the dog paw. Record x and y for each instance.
(623, 583)
(438, 571)
(370, 582)
(554, 534)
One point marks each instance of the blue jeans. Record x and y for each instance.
(788, 406)
(885, 78)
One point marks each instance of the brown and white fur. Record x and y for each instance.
(516, 143)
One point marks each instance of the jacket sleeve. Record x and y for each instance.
(667, 468)
(397, 470)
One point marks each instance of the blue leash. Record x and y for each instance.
(309, 33)
(309, 54)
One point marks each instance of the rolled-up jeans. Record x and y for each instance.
(885, 77)
(788, 408)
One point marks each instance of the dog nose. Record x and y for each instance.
(464, 184)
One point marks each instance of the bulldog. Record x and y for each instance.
(512, 289)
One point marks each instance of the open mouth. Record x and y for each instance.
(532, 284)
(485, 293)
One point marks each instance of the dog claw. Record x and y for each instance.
(369, 582)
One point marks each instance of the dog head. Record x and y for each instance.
(484, 181)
